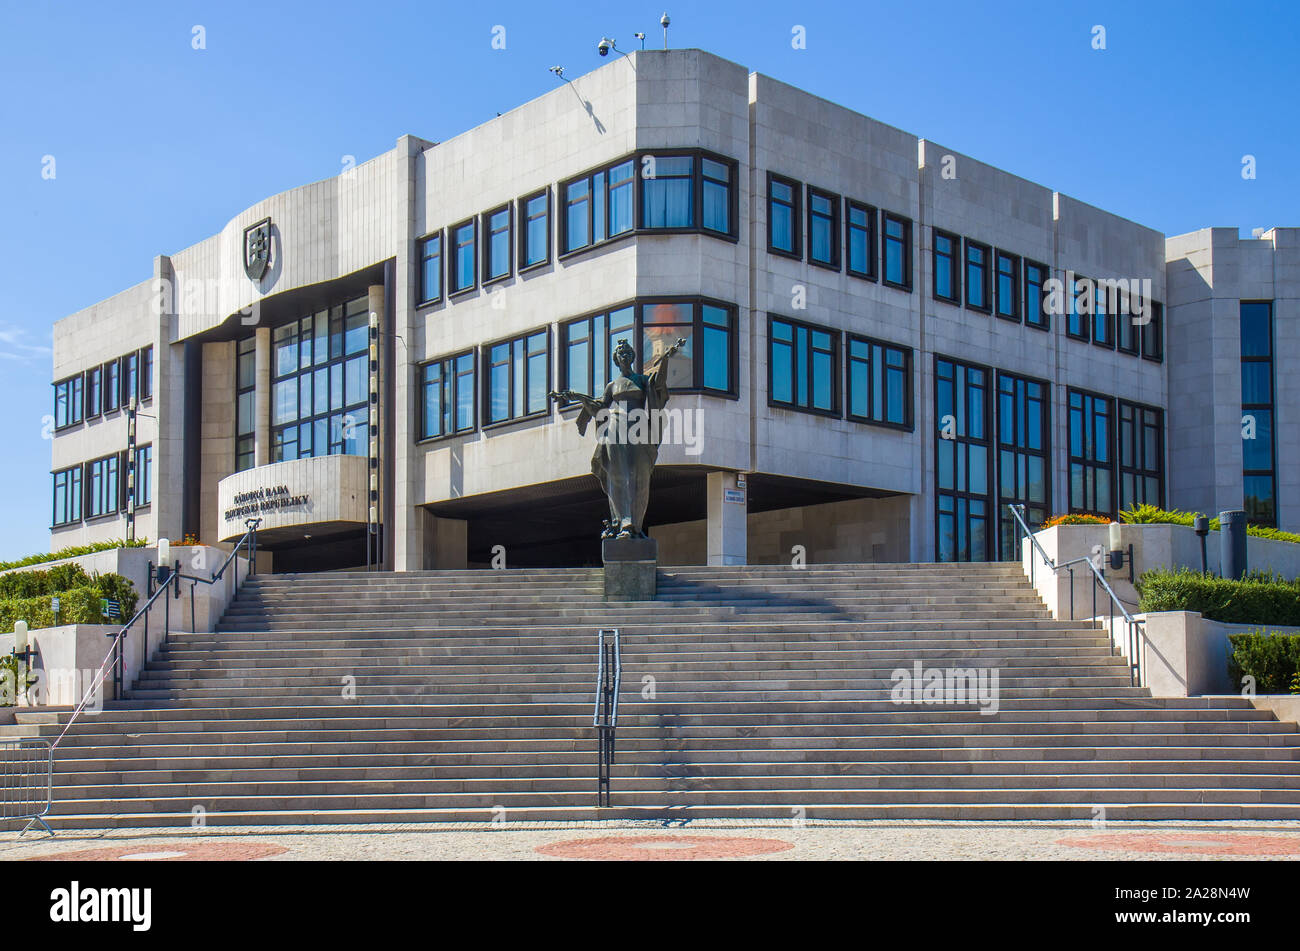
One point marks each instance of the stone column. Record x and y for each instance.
(262, 397)
(727, 536)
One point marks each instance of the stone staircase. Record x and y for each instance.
(747, 692)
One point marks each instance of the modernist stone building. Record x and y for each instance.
(887, 342)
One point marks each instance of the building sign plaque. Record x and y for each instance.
(260, 501)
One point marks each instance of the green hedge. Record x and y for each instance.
(72, 552)
(1257, 599)
(32, 584)
(1272, 659)
(79, 605)
(1151, 515)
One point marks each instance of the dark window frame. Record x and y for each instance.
(962, 390)
(1105, 307)
(522, 216)
(872, 273)
(905, 243)
(143, 479)
(796, 215)
(1270, 407)
(1020, 398)
(1153, 332)
(485, 365)
(115, 459)
(448, 384)
(1073, 313)
(833, 226)
(453, 263)
(249, 438)
(837, 363)
(73, 396)
(1136, 445)
(909, 420)
(97, 388)
(1043, 313)
(73, 495)
(1017, 265)
(955, 266)
(985, 306)
(485, 229)
(422, 258)
(1088, 409)
(146, 374)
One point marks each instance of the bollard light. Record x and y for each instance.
(20, 637)
(1116, 547)
(164, 551)
(1201, 526)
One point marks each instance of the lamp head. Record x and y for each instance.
(164, 551)
(20, 636)
(1201, 525)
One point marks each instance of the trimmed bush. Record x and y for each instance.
(32, 584)
(1272, 659)
(72, 552)
(78, 605)
(1150, 515)
(1259, 598)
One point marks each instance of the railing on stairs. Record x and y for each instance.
(1133, 628)
(609, 677)
(249, 540)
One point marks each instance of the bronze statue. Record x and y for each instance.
(627, 436)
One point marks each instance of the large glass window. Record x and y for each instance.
(803, 366)
(517, 377)
(1092, 459)
(1037, 308)
(447, 396)
(898, 251)
(879, 382)
(431, 268)
(717, 194)
(1008, 285)
(823, 228)
(464, 260)
(102, 488)
(535, 231)
(1258, 452)
(496, 244)
(67, 496)
(667, 195)
(962, 462)
(1024, 459)
(783, 225)
(860, 239)
(1141, 455)
(69, 401)
(706, 362)
(130, 378)
(112, 385)
(320, 388)
(143, 475)
(598, 205)
(947, 277)
(245, 403)
(977, 275)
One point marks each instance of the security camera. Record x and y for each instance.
(603, 47)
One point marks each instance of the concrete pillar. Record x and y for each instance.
(262, 397)
(728, 509)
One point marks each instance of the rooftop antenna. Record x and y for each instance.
(664, 21)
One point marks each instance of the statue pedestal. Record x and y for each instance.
(630, 565)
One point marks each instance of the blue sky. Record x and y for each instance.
(157, 145)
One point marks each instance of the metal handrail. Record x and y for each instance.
(609, 680)
(249, 536)
(1135, 634)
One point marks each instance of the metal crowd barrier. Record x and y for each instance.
(26, 781)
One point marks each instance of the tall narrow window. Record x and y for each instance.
(130, 378)
(1128, 335)
(94, 392)
(464, 263)
(622, 183)
(977, 276)
(1078, 319)
(102, 488)
(803, 366)
(947, 278)
(1153, 334)
(1141, 455)
(431, 269)
(823, 228)
(1092, 460)
(783, 225)
(1024, 459)
(67, 496)
(898, 251)
(447, 396)
(716, 194)
(69, 401)
(535, 230)
(517, 378)
(496, 244)
(963, 497)
(1008, 286)
(1103, 316)
(1037, 308)
(146, 373)
(860, 239)
(879, 382)
(577, 214)
(1258, 451)
(245, 403)
(143, 475)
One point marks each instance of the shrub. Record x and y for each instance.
(32, 584)
(1151, 515)
(1272, 659)
(78, 605)
(72, 552)
(1263, 531)
(1259, 598)
(1075, 518)
(1295, 683)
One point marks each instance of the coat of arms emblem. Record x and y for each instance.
(257, 249)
